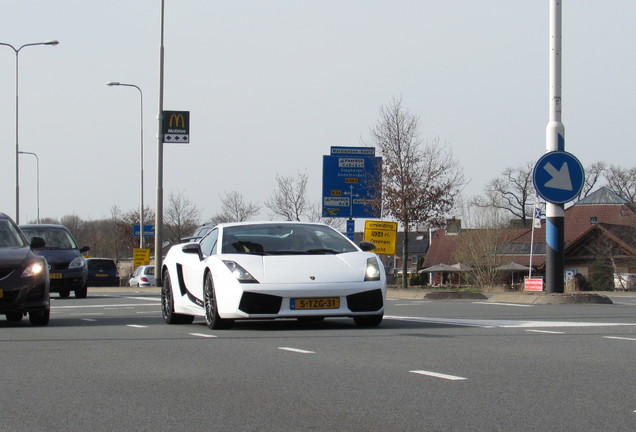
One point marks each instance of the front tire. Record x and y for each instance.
(64, 293)
(212, 318)
(81, 292)
(368, 320)
(39, 318)
(14, 316)
(167, 305)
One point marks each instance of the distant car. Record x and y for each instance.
(143, 276)
(261, 270)
(199, 233)
(67, 266)
(24, 276)
(102, 272)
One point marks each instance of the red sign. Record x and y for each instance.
(534, 284)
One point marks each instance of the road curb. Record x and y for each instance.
(550, 298)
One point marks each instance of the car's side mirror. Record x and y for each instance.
(193, 248)
(367, 246)
(38, 243)
(84, 249)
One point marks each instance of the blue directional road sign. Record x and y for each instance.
(558, 177)
(149, 230)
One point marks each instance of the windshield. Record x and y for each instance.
(55, 238)
(9, 235)
(284, 239)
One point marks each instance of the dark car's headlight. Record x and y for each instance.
(239, 272)
(34, 269)
(77, 263)
(372, 272)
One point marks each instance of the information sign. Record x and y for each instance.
(382, 234)
(141, 256)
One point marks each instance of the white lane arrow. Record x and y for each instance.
(560, 178)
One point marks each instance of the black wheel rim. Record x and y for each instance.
(166, 298)
(210, 304)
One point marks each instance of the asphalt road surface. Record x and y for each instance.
(109, 363)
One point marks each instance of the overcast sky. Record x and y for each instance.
(272, 85)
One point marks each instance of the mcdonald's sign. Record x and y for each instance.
(176, 127)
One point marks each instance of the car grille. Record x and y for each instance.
(368, 301)
(257, 303)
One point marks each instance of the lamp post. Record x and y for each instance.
(37, 179)
(141, 147)
(17, 147)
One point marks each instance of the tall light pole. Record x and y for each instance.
(37, 179)
(17, 147)
(159, 199)
(141, 158)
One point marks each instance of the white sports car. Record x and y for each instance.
(263, 270)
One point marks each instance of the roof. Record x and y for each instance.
(602, 196)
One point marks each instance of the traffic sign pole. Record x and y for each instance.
(555, 141)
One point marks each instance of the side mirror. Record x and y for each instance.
(37, 243)
(193, 248)
(367, 246)
(84, 249)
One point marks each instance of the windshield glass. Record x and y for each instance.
(9, 235)
(284, 239)
(55, 238)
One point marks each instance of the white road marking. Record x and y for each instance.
(84, 314)
(504, 323)
(144, 298)
(88, 319)
(620, 338)
(438, 375)
(203, 335)
(545, 331)
(296, 350)
(504, 304)
(136, 326)
(104, 306)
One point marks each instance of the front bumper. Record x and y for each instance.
(24, 297)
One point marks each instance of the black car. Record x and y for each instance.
(24, 277)
(102, 272)
(67, 266)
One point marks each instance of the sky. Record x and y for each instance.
(272, 85)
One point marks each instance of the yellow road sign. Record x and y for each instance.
(141, 257)
(382, 234)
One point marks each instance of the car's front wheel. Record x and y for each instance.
(167, 305)
(14, 316)
(368, 320)
(64, 293)
(81, 292)
(39, 318)
(212, 318)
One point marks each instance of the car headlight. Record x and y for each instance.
(372, 272)
(77, 263)
(34, 269)
(239, 272)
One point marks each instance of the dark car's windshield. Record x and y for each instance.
(101, 264)
(55, 238)
(9, 235)
(284, 239)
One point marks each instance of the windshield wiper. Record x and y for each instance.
(321, 252)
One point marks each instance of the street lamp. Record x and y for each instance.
(37, 179)
(17, 148)
(141, 208)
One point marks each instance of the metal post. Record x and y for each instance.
(37, 180)
(141, 159)
(159, 200)
(555, 141)
(17, 146)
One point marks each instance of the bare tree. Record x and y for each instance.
(181, 217)
(420, 181)
(593, 174)
(290, 200)
(513, 192)
(235, 209)
(622, 181)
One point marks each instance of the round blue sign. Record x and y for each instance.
(558, 177)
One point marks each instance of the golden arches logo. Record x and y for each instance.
(177, 119)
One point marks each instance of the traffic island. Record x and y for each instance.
(550, 298)
(420, 294)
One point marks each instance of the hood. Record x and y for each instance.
(58, 256)
(287, 269)
(13, 257)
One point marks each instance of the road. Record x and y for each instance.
(108, 363)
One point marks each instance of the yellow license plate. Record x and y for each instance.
(101, 274)
(1, 293)
(315, 303)
(55, 275)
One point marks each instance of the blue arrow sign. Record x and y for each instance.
(558, 177)
(149, 230)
